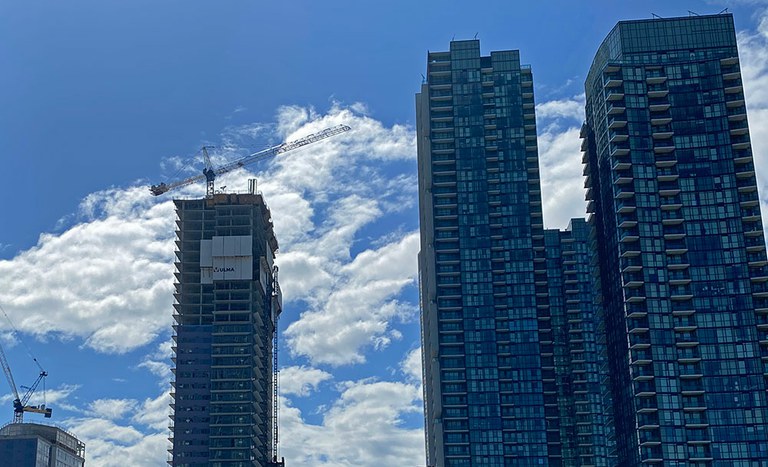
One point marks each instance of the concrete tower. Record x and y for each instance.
(227, 303)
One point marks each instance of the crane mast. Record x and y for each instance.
(210, 173)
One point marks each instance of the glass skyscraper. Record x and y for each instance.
(496, 358)
(683, 270)
(227, 303)
(580, 355)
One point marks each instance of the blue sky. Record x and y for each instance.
(99, 99)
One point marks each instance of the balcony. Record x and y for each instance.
(620, 192)
(734, 100)
(754, 244)
(745, 170)
(628, 250)
(614, 94)
(657, 90)
(736, 114)
(756, 260)
(617, 137)
(685, 323)
(675, 247)
(660, 119)
(663, 146)
(645, 389)
(635, 295)
(615, 108)
(617, 121)
(626, 236)
(625, 206)
(630, 265)
(750, 215)
(740, 143)
(674, 232)
(618, 150)
(679, 279)
(659, 107)
(623, 179)
(626, 223)
(746, 185)
(739, 128)
(662, 132)
(668, 189)
(742, 157)
(748, 199)
(621, 165)
(665, 161)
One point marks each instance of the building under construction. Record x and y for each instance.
(227, 301)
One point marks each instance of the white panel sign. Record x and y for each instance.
(226, 258)
(232, 268)
(218, 246)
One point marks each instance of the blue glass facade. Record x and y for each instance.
(496, 365)
(227, 301)
(584, 399)
(482, 248)
(684, 285)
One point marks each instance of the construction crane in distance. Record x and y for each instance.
(210, 173)
(20, 402)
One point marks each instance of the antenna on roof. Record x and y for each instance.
(693, 13)
(476, 35)
(423, 78)
(724, 10)
(656, 16)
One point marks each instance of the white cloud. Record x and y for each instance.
(153, 412)
(753, 49)
(106, 280)
(411, 366)
(357, 311)
(363, 428)
(112, 409)
(159, 362)
(562, 189)
(562, 184)
(569, 108)
(108, 444)
(301, 380)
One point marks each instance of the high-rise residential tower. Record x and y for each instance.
(581, 363)
(491, 379)
(227, 303)
(671, 183)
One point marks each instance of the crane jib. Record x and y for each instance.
(210, 174)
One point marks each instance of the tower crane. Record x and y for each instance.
(209, 172)
(20, 402)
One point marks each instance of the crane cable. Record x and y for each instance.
(17, 334)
